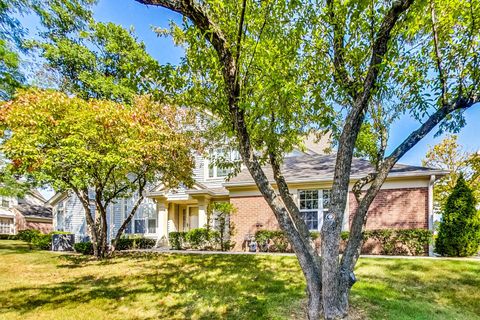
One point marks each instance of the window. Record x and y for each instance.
(5, 202)
(60, 216)
(313, 205)
(139, 226)
(220, 162)
(127, 206)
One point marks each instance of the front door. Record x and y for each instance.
(193, 217)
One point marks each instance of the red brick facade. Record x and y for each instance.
(392, 208)
(21, 223)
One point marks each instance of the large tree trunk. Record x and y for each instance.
(83, 196)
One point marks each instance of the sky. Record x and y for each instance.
(129, 13)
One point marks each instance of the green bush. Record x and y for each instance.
(392, 241)
(38, 240)
(8, 237)
(459, 232)
(272, 241)
(314, 235)
(28, 235)
(135, 243)
(198, 238)
(84, 247)
(42, 241)
(177, 240)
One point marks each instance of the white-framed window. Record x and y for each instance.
(214, 170)
(314, 204)
(5, 202)
(60, 213)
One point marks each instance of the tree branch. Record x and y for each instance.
(438, 54)
(341, 74)
(352, 250)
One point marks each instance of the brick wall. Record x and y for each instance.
(396, 209)
(252, 214)
(22, 224)
(392, 208)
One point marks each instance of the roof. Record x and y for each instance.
(34, 211)
(35, 193)
(320, 168)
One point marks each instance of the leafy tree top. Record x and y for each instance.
(71, 143)
(449, 155)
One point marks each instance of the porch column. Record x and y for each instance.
(202, 212)
(162, 221)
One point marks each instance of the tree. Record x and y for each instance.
(271, 70)
(450, 156)
(112, 149)
(221, 212)
(459, 233)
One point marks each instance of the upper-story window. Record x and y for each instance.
(314, 204)
(5, 203)
(219, 157)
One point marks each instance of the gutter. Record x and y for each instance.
(248, 183)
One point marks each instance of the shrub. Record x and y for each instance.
(125, 243)
(42, 241)
(28, 235)
(392, 241)
(84, 247)
(224, 226)
(8, 237)
(177, 240)
(198, 238)
(314, 235)
(272, 241)
(459, 232)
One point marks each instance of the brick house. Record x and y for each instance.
(405, 200)
(28, 212)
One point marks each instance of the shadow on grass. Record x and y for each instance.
(174, 286)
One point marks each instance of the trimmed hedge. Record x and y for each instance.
(38, 240)
(8, 237)
(85, 248)
(135, 243)
(198, 239)
(177, 240)
(391, 241)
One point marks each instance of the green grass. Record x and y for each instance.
(45, 285)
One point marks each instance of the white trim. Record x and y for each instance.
(430, 211)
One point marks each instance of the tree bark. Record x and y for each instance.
(83, 196)
(125, 223)
(328, 280)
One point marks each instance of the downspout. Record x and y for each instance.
(430, 212)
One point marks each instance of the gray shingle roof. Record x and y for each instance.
(305, 168)
(34, 211)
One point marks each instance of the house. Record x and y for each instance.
(27, 212)
(69, 216)
(405, 200)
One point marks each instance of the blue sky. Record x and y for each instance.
(129, 13)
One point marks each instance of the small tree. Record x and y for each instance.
(450, 156)
(221, 212)
(459, 233)
(80, 145)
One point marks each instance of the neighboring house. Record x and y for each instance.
(405, 200)
(69, 216)
(28, 212)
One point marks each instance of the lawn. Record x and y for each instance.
(43, 285)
